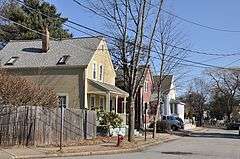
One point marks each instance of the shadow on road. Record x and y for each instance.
(207, 134)
(214, 135)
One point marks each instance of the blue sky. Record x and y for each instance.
(215, 13)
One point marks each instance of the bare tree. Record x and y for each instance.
(134, 25)
(196, 99)
(169, 57)
(226, 83)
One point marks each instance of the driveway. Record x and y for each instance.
(208, 144)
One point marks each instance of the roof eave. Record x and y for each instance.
(40, 67)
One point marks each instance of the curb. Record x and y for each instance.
(135, 149)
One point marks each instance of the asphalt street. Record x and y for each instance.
(208, 144)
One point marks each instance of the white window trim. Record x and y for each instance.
(95, 70)
(67, 98)
(146, 86)
(102, 72)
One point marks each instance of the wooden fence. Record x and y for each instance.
(39, 126)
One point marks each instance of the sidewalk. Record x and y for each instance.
(99, 149)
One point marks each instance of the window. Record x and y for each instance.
(92, 102)
(63, 60)
(145, 86)
(176, 109)
(111, 106)
(11, 61)
(101, 103)
(171, 108)
(101, 72)
(62, 101)
(122, 109)
(94, 71)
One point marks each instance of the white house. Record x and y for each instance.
(169, 105)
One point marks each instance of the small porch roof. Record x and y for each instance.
(96, 86)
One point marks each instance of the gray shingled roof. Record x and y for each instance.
(29, 52)
(166, 85)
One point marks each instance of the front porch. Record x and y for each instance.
(107, 97)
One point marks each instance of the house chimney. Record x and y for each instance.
(45, 39)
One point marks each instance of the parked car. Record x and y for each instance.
(233, 126)
(161, 126)
(181, 122)
(174, 122)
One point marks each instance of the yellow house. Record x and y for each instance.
(79, 70)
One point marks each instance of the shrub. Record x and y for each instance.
(18, 91)
(109, 119)
(103, 130)
(162, 126)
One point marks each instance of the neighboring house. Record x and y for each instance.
(79, 70)
(179, 110)
(143, 93)
(168, 97)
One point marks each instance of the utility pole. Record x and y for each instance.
(145, 124)
(61, 129)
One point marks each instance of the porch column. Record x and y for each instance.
(108, 98)
(116, 105)
(125, 105)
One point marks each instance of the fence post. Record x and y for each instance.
(34, 125)
(85, 124)
(145, 124)
(61, 131)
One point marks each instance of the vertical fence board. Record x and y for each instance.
(29, 125)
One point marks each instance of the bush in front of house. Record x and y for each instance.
(18, 91)
(162, 126)
(107, 120)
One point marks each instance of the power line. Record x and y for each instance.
(232, 62)
(189, 61)
(199, 24)
(93, 30)
(173, 46)
(82, 26)
(196, 23)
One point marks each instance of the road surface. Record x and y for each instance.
(208, 144)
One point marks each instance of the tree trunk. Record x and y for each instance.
(131, 120)
(228, 116)
(156, 119)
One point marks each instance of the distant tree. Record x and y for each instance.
(31, 18)
(217, 107)
(195, 105)
(226, 84)
(196, 100)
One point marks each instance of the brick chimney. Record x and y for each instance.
(45, 39)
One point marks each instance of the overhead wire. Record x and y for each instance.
(168, 44)
(93, 30)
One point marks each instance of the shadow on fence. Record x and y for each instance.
(29, 125)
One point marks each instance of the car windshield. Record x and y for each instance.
(170, 118)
